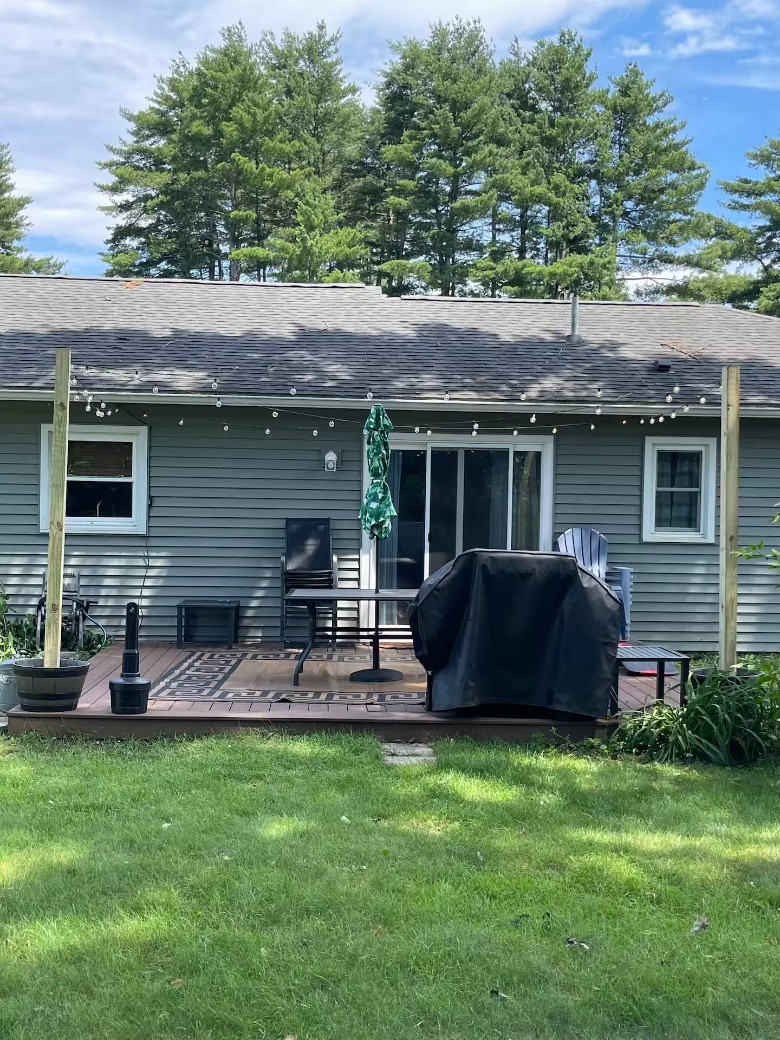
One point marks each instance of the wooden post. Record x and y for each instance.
(58, 471)
(729, 515)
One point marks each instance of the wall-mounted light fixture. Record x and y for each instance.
(331, 461)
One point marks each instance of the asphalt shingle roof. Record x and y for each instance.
(346, 341)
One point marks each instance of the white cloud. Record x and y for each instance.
(636, 49)
(737, 25)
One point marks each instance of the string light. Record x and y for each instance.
(137, 377)
(315, 433)
(417, 429)
(215, 384)
(598, 410)
(533, 418)
(428, 433)
(673, 415)
(181, 422)
(88, 408)
(702, 400)
(599, 392)
(369, 396)
(103, 404)
(555, 429)
(73, 381)
(218, 402)
(226, 427)
(593, 426)
(514, 433)
(669, 398)
(686, 407)
(660, 418)
(475, 426)
(446, 395)
(676, 389)
(293, 391)
(473, 433)
(155, 389)
(652, 421)
(274, 414)
(332, 423)
(623, 422)
(267, 432)
(108, 412)
(642, 422)
(523, 395)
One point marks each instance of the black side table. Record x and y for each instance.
(227, 607)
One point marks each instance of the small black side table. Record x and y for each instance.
(228, 607)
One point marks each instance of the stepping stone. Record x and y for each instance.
(399, 754)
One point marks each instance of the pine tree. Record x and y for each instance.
(318, 247)
(438, 102)
(14, 257)
(648, 181)
(740, 261)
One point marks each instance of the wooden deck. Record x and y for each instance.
(176, 717)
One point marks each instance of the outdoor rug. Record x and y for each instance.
(255, 675)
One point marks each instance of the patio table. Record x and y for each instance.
(312, 597)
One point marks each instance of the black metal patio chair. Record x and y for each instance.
(308, 562)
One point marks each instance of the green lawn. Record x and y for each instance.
(211, 889)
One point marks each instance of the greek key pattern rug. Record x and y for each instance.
(248, 675)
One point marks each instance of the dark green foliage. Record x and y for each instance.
(467, 176)
(727, 720)
(14, 258)
(739, 262)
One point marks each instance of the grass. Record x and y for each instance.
(211, 889)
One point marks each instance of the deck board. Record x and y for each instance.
(392, 722)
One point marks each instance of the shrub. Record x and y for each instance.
(726, 720)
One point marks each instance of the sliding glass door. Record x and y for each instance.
(451, 496)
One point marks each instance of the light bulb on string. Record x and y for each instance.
(428, 433)
(446, 395)
(103, 404)
(473, 433)
(73, 380)
(215, 384)
(332, 423)
(226, 427)
(315, 433)
(137, 377)
(88, 408)
(652, 420)
(675, 389)
(533, 418)
(593, 426)
(98, 413)
(702, 400)
(155, 389)
(108, 412)
(274, 414)
(555, 429)
(642, 422)
(599, 392)
(417, 429)
(669, 398)
(116, 408)
(218, 402)
(686, 407)
(181, 422)
(623, 422)
(660, 418)
(267, 432)
(475, 426)
(369, 396)
(673, 415)
(598, 410)
(523, 395)
(514, 433)
(293, 391)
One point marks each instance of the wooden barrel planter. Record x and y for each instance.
(49, 689)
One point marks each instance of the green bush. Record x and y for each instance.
(17, 636)
(726, 720)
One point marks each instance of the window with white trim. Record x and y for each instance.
(679, 489)
(107, 479)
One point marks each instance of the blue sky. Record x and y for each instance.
(67, 66)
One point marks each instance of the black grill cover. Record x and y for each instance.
(527, 629)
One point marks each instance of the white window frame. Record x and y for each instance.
(543, 444)
(708, 448)
(135, 524)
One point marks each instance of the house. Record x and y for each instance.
(205, 413)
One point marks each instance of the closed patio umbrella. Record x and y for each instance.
(376, 518)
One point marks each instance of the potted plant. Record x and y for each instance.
(42, 688)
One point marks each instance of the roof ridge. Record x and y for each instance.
(431, 298)
(189, 281)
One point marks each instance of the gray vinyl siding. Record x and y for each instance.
(598, 483)
(216, 516)
(218, 503)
